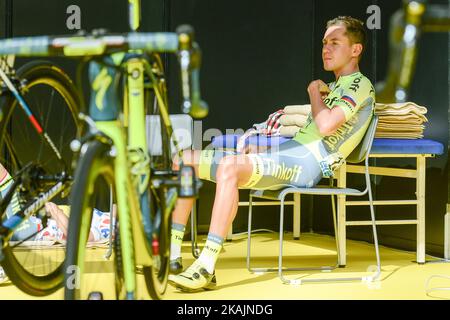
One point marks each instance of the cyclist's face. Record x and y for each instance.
(337, 48)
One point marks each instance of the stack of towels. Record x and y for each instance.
(400, 120)
(293, 119)
(395, 120)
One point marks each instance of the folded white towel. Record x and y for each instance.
(289, 131)
(293, 120)
(397, 109)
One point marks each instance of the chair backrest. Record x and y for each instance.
(182, 125)
(363, 148)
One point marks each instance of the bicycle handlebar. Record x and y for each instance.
(161, 42)
(405, 28)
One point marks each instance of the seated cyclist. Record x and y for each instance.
(335, 126)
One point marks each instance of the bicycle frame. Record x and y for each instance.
(135, 14)
(128, 215)
(109, 123)
(23, 105)
(131, 234)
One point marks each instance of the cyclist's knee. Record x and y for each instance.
(3, 171)
(175, 162)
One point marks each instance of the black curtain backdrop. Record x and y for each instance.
(261, 55)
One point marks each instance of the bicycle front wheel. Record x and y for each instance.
(53, 101)
(88, 274)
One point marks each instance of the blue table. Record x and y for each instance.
(421, 149)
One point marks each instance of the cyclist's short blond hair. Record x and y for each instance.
(355, 29)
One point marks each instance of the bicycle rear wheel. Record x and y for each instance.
(87, 272)
(53, 100)
(156, 275)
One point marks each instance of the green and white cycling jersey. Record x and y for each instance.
(304, 160)
(355, 95)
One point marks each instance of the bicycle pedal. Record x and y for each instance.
(187, 182)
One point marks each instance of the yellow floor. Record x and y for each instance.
(401, 277)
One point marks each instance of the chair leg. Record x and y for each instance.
(296, 216)
(420, 192)
(336, 234)
(342, 215)
(375, 275)
(249, 233)
(280, 269)
(280, 252)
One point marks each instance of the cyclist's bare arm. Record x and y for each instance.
(415, 17)
(327, 120)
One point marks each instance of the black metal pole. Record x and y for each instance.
(8, 18)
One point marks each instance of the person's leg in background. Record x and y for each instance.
(229, 172)
(58, 224)
(291, 164)
(25, 230)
